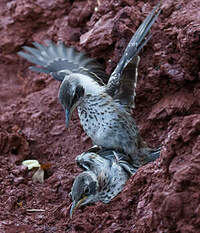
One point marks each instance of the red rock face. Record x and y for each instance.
(162, 196)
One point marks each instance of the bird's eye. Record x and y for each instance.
(87, 190)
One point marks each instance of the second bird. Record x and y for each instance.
(104, 109)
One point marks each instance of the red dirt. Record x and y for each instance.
(163, 196)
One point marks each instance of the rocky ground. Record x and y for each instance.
(163, 196)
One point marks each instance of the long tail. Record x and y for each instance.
(59, 60)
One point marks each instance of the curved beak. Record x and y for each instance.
(75, 205)
(68, 114)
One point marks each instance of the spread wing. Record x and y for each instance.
(59, 60)
(126, 90)
(122, 82)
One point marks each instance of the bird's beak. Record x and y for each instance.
(68, 114)
(75, 205)
(67, 117)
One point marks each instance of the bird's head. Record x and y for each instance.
(70, 94)
(84, 190)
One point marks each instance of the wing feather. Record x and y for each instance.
(122, 82)
(59, 60)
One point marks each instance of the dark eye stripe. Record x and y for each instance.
(78, 93)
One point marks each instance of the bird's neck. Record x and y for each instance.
(90, 85)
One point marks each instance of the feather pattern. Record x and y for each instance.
(59, 61)
(104, 110)
(119, 82)
(107, 167)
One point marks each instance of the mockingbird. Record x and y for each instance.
(104, 176)
(104, 109)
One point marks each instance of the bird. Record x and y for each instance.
(104, 175)
(104, 103)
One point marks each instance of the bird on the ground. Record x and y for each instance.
(104, 109)
(104, 175)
